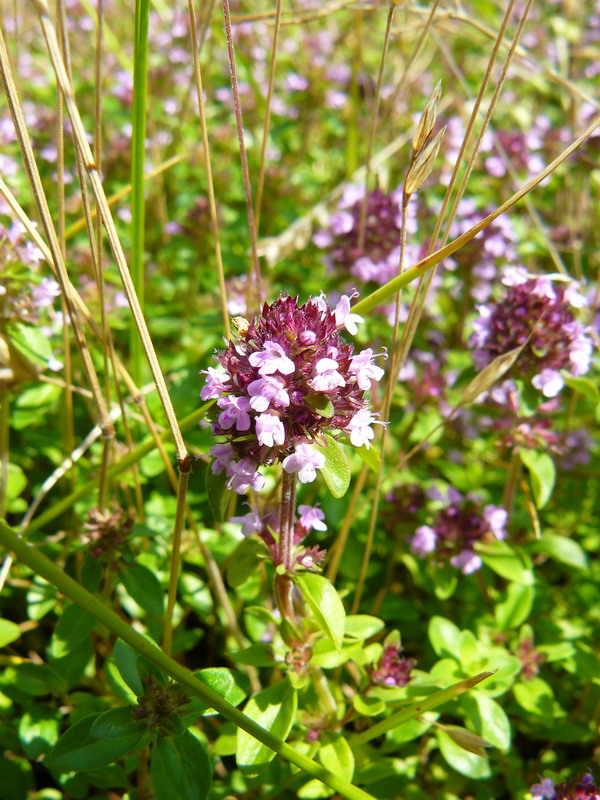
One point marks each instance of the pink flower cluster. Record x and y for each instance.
(456, 529)
(392, 668)
(585, 789)
(265, 524)
(287, 379)
(378, 259)
(535, 307)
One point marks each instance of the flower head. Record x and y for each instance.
(456, 529)
(392, 669)
(288, 378)
(585, 789)
(535, 311)
(378, 259)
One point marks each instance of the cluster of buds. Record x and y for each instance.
(266, 525)
(530, 658)
(585, 789)
(392, 669)
(539, 314)
(106, 530)
(456, 530)
(287, 380)
(158, 707)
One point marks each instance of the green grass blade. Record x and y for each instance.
(138, 147)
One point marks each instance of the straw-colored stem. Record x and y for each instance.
(46, 218)
(212, 203)
(267, 122)
(362, 222)
(243, 156)
(424, 285)
(336, 552)
(111, 231)
(175, 560)
(4, 448)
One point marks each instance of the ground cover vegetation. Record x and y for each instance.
(298, 400)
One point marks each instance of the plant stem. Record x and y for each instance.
(175, 559)
(4, 430)
(45, 568)
(287, 512)
(138, 155)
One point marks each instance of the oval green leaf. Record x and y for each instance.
(336, 470)
(78, 748)
(324, 602)
(180, 768)
(274, 709)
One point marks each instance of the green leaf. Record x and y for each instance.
(338, 758)
(143, 586)
(232, 685)
(584, 386)
(79, 749)
(368, 706)
(38, 730)
(514, 610)
(9, 632)
(468, 764)
(446, 581)
(17, 778)
(74, 627)
(507, 561)
(115, 723)
(256, 655)
(274, 709)
(244, 561)
(133, 667)
(562, 549)
(362, 626)
(542, 473)
(32, 403)
(180, 768)
(535, 697)
(219, 497)
(489, 719)
(320, 403)
(444, 637)
(324, 602)
(370, 456)
(34, 679)
(16, 481)
(32, 342)
(336, 470)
